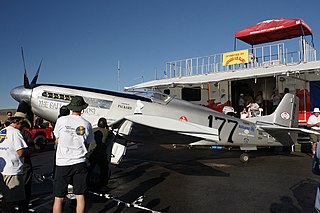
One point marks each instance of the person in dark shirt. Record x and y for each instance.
(63, 111)
(9, 114)
(7, 122)
(98, 152)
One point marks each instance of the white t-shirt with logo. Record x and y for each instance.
(313, 120)
(73, 132)
(11, 141)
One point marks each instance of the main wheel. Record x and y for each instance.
(40, 142)
(244, 157)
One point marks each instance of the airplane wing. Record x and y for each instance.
(148, 124)
(289, 129)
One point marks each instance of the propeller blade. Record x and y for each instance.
(30, 117)
(25, 80)
(26, 108)
(35, 78)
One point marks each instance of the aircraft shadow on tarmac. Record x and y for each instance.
(184, 161)
(140, 189)
(304, 192)
(139, 172)
(140, 164)
(190, 161)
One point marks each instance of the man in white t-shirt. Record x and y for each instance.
(72, 133)
(314, 124)
(12, 150)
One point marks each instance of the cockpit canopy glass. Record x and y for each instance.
(155, 96)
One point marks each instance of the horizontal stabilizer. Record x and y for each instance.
(289, 129)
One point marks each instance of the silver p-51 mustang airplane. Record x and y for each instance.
(159, 118)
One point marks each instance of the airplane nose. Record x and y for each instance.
(21, 94)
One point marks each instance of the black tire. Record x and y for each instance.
(244, 157)
(306, 147)
(40, 142)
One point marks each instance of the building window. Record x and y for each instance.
(191, 94)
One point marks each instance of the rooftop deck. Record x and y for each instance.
(259, 57)
(269, 60)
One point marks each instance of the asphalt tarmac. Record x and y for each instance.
(195, 180)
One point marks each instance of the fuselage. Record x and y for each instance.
(46, 100)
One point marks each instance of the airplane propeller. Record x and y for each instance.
(35, 78)
(23, 106)
(25, 79)
(26, 83)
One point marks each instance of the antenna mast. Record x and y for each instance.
(155, 74)
(118, 76)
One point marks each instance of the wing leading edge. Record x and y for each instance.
(162, 124)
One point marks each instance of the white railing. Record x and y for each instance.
(262, 56)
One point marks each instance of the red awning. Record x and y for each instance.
(274, 30)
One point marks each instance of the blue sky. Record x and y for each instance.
(81, 41)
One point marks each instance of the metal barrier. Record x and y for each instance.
(262, 56)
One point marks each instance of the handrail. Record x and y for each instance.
(264, 56)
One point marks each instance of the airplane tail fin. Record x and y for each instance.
(282, 123)
(285, 115)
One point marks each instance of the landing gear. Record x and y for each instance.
(244, 157)
(40, 142)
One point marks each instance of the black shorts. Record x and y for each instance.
(12, 187)
(75, 175)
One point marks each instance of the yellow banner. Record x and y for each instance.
(236, 57)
